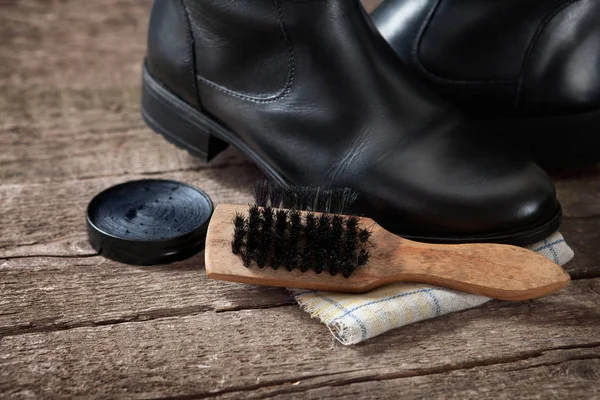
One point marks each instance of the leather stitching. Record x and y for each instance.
(191, 53)
(435, 77)
(291, 67)
(528, 55)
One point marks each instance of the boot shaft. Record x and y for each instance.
(241, 46)
(247, 48)
(261, 50)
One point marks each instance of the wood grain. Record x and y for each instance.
(81, 134)
(580, 196)
(52, 293)
(73, 324)
(574, 374)
(44, 294)
(282, 350)
(583, 235)
(49, 219)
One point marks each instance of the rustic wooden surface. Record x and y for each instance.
(75, 325)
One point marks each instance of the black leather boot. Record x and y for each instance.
(314, 96)
(531, 67)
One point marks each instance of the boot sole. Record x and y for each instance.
(191, 130)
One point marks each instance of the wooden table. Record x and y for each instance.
(75, 324)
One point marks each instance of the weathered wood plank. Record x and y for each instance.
(46, 294)
(559, 374)
(580, 194)
(72, 110)
(49, 219)
(66, 44)
(98, 290)
(69, 94)
(281, 349)
(77, 134)
(583, 235)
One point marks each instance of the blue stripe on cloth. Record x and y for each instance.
(548, 245)
(370, 303)
(554, 255)
(438, 309)
(363, 328)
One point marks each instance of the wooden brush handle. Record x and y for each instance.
(493, 270)
(497, 271)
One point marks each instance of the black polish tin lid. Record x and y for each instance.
(149, 222)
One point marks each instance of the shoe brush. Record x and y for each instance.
(298, 237)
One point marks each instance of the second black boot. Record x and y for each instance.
(312, 94)
(530, 67)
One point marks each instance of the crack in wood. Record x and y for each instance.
(239, 389)
(550, 364)
(162, 313)
(2, 314)
(66, 256)
(141, 317)
(288, 384)
(260, 307)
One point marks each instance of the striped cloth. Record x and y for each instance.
(354, 318)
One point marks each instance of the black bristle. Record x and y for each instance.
(279, 239)
(364, 235)
(246, 258)
(304, 198)
(310, 233)
(254, 223)
(320, 200)
(342, 199)
(263, 253)
(268, 215)
(292, 259)
(326, 201)
(321, 261)
(275, 195)
(239, 234)
(335, 244)
(289, 197)
(311, 196)
(276, 233)
(322, 240)
(350, 245)
(261, 193)
(352, 224)
(363, 258)
(348, 272)
(261, 260)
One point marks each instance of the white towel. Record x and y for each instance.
(354, 318)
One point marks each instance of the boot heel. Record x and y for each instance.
(178, 122)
